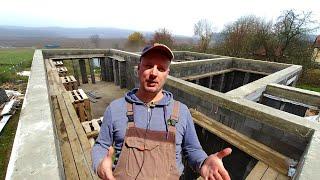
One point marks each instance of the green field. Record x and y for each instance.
(14, 60)
(11, 61)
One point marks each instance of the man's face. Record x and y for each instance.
(153, 71)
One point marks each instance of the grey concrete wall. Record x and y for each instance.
(281, 140)
(35, 152)
(192, 68)
(185, 55)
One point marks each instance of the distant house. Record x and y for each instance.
(52, 46)
(316, 51)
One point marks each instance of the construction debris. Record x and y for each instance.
(3, 96)
(10, 106)
(93, 96)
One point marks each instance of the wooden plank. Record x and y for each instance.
(83, 166)
(255, 149)
(86, 147)
(95, 124)
(282, 177)
(258, 171)
(86, 126)
(270, 174)
(65, 147)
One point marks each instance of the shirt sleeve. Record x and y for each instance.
(104, 140)
(191, 146)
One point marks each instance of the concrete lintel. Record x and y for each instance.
(123, 53)
(35, 150)
(202, 62)
(296, 94)
(273, 117)
(253, 90)
(259, 65)
(51, 53)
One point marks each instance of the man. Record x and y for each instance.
(150, 131)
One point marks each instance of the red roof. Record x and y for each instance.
(317, 42)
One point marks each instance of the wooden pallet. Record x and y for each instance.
(63, 71)
(92, 129)
(58, 63)
(69, 82)
(81, 104)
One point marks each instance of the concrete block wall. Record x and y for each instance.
(266, 134)
(192, 68)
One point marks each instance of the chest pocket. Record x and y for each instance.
(142, 153)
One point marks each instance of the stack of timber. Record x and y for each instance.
(92, 129)
(81, 104)
(69, 82)
(62, 71)
(74, 145)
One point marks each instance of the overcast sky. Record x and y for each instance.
(143, 15)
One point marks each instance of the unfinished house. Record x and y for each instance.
(249, 105)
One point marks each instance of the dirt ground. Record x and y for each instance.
(108, 92)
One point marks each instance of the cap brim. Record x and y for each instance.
(162, 48)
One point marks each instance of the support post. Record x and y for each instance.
(103, 74)
(115, 71)
(221, 82)
(82, 64)
(93, 79)
(75, 66)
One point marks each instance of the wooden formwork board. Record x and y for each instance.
(92, 129)
(74, 145)
(63, 71)
(69, 82)
(262, 171)
(81, 104)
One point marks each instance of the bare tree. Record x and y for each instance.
(163, 36)
(291, 26)
(95, 39)
(204, 30)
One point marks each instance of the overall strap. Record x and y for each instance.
(174, 117)
(130, 114)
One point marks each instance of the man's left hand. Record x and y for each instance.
(213, 169)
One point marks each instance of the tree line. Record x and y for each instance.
(285, 40)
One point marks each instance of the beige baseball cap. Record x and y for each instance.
(159, 47)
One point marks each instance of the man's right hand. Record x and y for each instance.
(105, 167)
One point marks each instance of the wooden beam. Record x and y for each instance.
(81, 135)
(83, 167)
(65, 147)
(255, 149)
